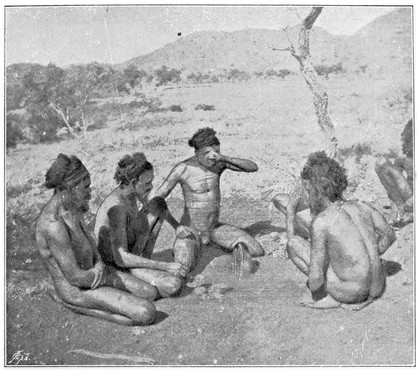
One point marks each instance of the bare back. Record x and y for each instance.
(351, 242)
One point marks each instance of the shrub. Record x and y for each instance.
(177, 108)
(280, 73)
(357, 150)
(204, 107)
(44, 127)
(14, 133)
(165, 76)
(16, 190)
(99, 121)
(283, 73)
(326, 70)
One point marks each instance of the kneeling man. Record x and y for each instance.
(342, 259)
(126, 235)
(83, 283)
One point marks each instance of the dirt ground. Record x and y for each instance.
(252, 321)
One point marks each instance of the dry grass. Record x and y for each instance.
(270, 122)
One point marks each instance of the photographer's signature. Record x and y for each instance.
(19, 356)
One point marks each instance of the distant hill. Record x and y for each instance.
(383, 44)
(246, 50)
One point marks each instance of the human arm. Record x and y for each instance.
(119, 245)
(60, 247)
(405, 164)
(296, 203)
(237, 164)
(165, 189)
(319, 243)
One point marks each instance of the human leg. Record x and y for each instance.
(280, 201)
(119, 319)
(397, 187)
(302, 216)
(167, 284)
(130, 283)
(299, 251)
(228, 236)
(187, 251)
(348, 292)
(107, 303)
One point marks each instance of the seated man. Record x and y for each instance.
(83, 283)
(126, 236)
(399, 187)
(199, 177)
(342, 259)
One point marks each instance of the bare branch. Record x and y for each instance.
(278, 49)
(320, 96)
(63, 117)
(312, 17)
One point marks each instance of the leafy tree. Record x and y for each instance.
(14, 133)
(15, 95)
(133, 76)
(65, 92)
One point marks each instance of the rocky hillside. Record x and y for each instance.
(248, 50)
(383, 44)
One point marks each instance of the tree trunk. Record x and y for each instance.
(319, 92)
(63, 117)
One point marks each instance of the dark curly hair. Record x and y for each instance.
(203, 137)
(131, 167)
(407, 139)
(325, 175)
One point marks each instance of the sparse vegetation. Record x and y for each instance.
(204, 107)
(166, 75)
(14, 131)
(176, 108)
(326, 70)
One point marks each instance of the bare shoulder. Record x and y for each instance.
(181, 168)
(110, 201)
(113, 207)
(322, 221)
(364, 207)
(49, 225)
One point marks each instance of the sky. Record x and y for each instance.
(68, 35)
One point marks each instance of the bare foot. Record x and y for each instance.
(357, 306)
(402, 221)
(325, 303)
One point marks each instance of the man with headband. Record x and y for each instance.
(199, 177)
(83, 283)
